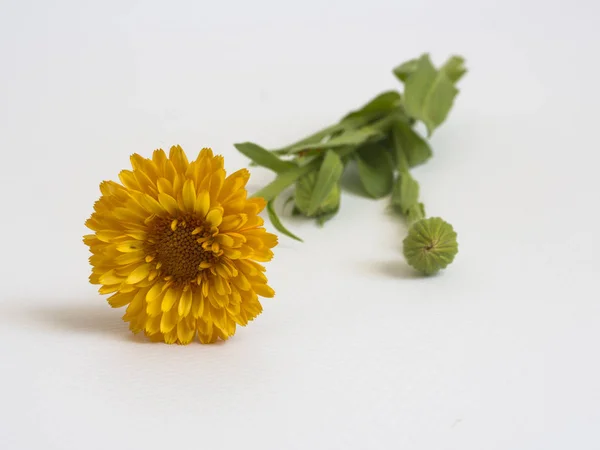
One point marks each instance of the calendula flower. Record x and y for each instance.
(180, 244)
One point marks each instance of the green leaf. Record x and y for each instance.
(263, 157)
(303, 194)
(277, 223)
(404, 70)
(429, 93)
(380, 105)
(328, 177)
(285, 179)
(454, 68)
(407, 142)
(406, 194)
(350, 138)
(375, 170)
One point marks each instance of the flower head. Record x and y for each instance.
(180, 244)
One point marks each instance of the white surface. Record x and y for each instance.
(500, 352)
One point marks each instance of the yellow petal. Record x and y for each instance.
(178, 158)
(216, 183)
(189, 195)
(218, 300)
(153, 325)
(241, 282)
(197, 305)
(152, 205)
(231, 253)
(225, 240)
(185, 333)
(220, 285)
(137, 235)
(214, 217)
(109, 235)
(171, 296)
(139, 274)
(223, 271)
(262, 255)
(219, 317)
(129, 258)
(169, 203)
(202, 203)
(264, 291)
(185, 303)
(159, 158)
(130, 246)
(136, 306)
(110, 278)
(233, 222)
(164, 186)
(153, 308)
(169, 321)
(128, 179)
(205, 332)
(119, 299)
(170, 337)
(109, 289)
(154, 292)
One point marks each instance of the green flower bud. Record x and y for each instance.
(430, 245)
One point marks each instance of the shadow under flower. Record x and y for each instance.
(397, 268)
(90, 318)
(97, 318)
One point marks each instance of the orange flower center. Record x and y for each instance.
(176, 246)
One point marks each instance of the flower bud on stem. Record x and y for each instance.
(431, 243)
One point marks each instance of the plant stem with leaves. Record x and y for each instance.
(381, 140)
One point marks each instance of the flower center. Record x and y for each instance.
(176, 246)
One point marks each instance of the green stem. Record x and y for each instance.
(415, 213)
(286, 179)
(312, 139)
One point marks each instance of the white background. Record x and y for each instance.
(355, 352)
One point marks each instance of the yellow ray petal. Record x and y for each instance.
(225, 240)
(136, 306)
(185, 332)
(130, 246)
(152, 205)
(139, 274)
(233, 222)
(169, 203)
(189, 195)
(153, 325)
(119, 299)
(171, 296)
(214, 217)
(109, 235)
(197, 305)
(264, 291)
(185, 303)
(128, 179)
(131, 257)
(154, 292)
(169, 321)
(241, 282)
(202, 203)
(178, 158)
(110, 278)
(164, 186)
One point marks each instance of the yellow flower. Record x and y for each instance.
(179, 243)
